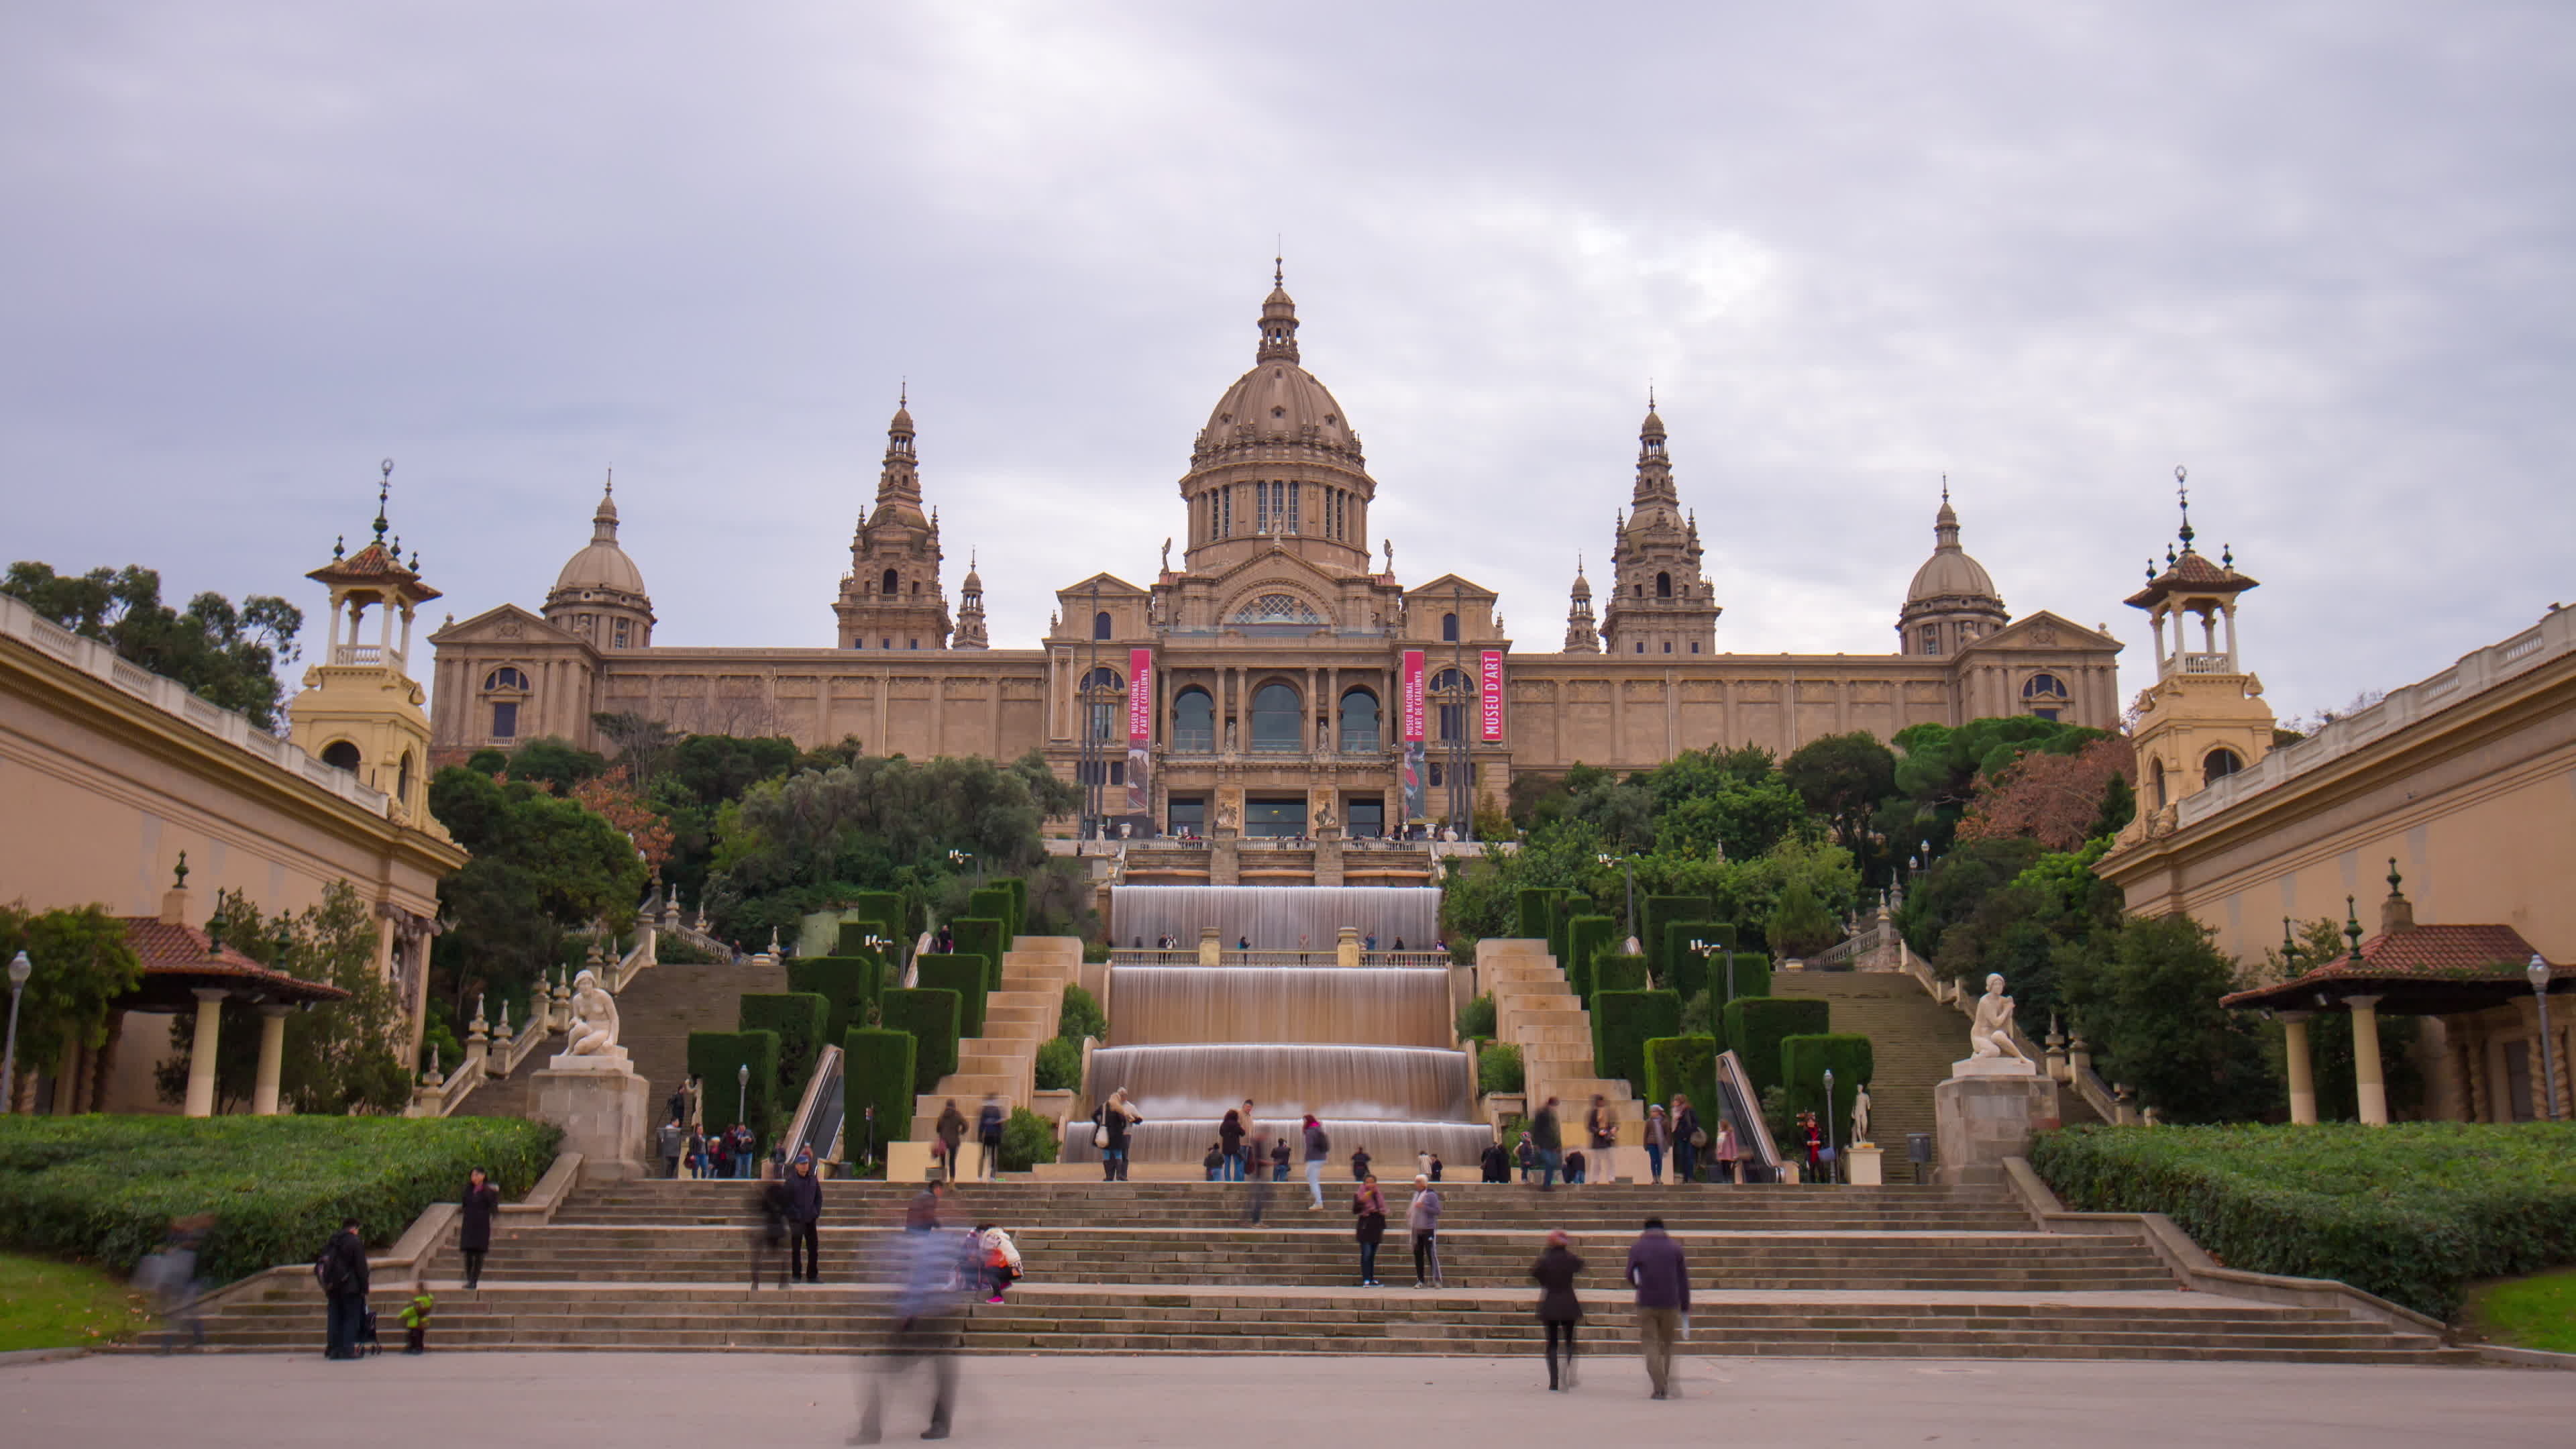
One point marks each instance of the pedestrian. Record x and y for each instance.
(1435, 1167)
(697, 1153)
(1543, 1133)
(951, 1128)
(678, 1106)
(719, 1154)
(1815, 1147)
(1214, 1162)
(1319, 1150)
(1659, 1135)
(1001, 1259)
(1497, 1163)
(1372, 940)
(1688, 1139)
(415, 1321)
(1422, 1219)
(672, 1142)
(1399, 943)
(1602, 1127)
(988, 1134)
(804, 1216)
(1243, 943)
(169, 1274)
(1422, 1162)
(1527, 1156)
(1662, 1281)
(342, 1269)
(1256, 1198)
(1229, 1138)
(746, 1152)
(1558, 1309)
(1279, 1154)
(1729, 1155)
(922, 1213)
(474, 1224)
(1360, 1161)
(1114, 1118)
(931, 1270)
(1576, 1164)
(769, 1240)
(1368, 1205)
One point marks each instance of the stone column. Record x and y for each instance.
(1346, 948)
(201, 1055)
(2303, 1083)
(1211, 947)
(2368, 1085)
(272, 1056)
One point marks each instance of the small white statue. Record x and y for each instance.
(1860, 1114)
(594, 1019)
(1990, 1031)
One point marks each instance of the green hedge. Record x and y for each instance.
(1623, 1022)
(887, 912)
(1684, 1066)
(1659, 912)
(1562, 908)
(1059, 1065)
(1027, 1140)
(1755, 1025)
(1804, 1061)
(993, 903)
(876, 1071)
(1538, 912)
(846, 983)
(1498, 1068)
(930, 1014)
(1586, 937)
(983, 936)
(716, 1056)
(2412, 1212)
(1615, 972)
(1080, 1016)
(1690, 969)
(106, 1188)
(1019, 889)
(971, 977)
(802, 1021)
(1752, 976)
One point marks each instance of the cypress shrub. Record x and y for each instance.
(1080, 1016)
(1615, 972)
(1689, 970)
(969, 976)
(993, 903)
(1684, 1066)
(1752, 975)
(1655, 914)
(984, 936)
(1059, 1065)
(1586, 938)
(1755, 1025)
(1803, 1060)
(930, 1014)
(846, 983)
(716, 1056)
(1623, 1022)
(1027, 1140)
(876, 1071)
(1498, 1068)
(1538, 912)
(1562, 908)
(801, 1020)
(1019, 889)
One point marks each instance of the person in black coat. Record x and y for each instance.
(1558, 1309)
(804, 1211)
(474, 1226)
(343, 1271)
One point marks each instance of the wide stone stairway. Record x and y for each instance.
(1912, 1041)
(1154, 1267)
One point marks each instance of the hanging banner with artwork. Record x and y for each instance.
(1489, 696)
(1140, 731)
(1411, 770)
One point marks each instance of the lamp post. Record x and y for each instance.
(1628, 870)
(20, 968)
(1702, 949)
(742, 1092)
(1833, 1161)
(959, 858)
(2537, 972)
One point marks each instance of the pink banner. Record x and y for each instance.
(1140, 734)
(1412, 695)
(1489, 696)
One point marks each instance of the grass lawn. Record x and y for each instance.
(50, 1304)
(2534, 1312)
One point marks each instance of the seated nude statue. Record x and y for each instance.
(594, 1018)
(1990, 1032)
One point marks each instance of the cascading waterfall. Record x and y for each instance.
(1367, 1050)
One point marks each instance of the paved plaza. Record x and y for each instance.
(639, 1400)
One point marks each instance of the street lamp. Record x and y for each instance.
(742, 1092)
(1702, 950)
(1831, 1156)
(2537, 971)
(959, 858)
(1627, 869)
(20, 968)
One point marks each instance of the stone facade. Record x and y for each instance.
(1278, 646)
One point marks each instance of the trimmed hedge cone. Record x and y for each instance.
(1623, 1022)
(717, 1057)
(930, 1015)
(801, 1021)
(1756, 1024)
(1803, 1063)
(876, 1072)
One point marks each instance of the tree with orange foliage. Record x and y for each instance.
(613, 797)
(2061, 801)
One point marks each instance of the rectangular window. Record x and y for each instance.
(1931, 638)
(505, 719)
(1225, 510)
(1293, 525)
(621, 633)
(1186, 815)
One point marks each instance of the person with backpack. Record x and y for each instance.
(342, 1272)
(1319, 1150)
(1109, 1133)
(988, 1134)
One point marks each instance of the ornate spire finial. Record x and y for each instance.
(611, 485)
(384, 490)
(180, 876)
(2182, 496)
(903, 392)
(2289, 942)
(1945, 487)
(2394, 879)
(339, 546)
(1279, 268)
(2352, 927)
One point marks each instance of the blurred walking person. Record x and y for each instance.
(769, 1240)
(474, 1224)
(988, 1134)
(1688, 1139)
(1256, 1193)
(1368, 1209)
(928, 1268)
(1545, 1133)
(1601, 1157)
(1662, 1281)
(1422, 1219)
(1558, 1309)
(1659, 1135)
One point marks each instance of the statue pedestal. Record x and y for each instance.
(1985, 1114)
(1863, 1165)
(604, 1109)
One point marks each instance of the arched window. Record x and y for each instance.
(2156, 782)
(1276, 609)
(1102, 687)
(892, 585)
(1194, 721)
(340, 754)
(1453, 711)
(2218, 764)
(1448, 628)
(1359, 722)
(1663, 586)
(1276, 726)
(1100, 628)
(2044, 695)
(402, 787)
(505, 677)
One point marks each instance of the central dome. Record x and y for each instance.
(1277, 402)
(1949, 573)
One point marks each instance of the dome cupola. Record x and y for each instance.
(600, 593)
(1952, 600)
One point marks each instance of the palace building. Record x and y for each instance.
(1280, 678)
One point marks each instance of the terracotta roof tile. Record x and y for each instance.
(166, 949)
(2431, 954)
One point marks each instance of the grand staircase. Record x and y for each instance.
(1136, 1268)
(1912, 1041)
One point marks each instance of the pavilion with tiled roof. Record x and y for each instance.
(187, 967)
(2407, 969)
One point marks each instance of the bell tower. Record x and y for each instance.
(2204, 718)
(359, 709)
(891, 598)
(1660, 602)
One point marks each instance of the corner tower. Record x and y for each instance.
(891, 597)
(2205, 717)
(359, 709)
(1660, 602)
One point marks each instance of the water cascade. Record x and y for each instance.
(1380, 1006)
(1275, 918)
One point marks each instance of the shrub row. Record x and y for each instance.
(930, 1015)
(1654, 936)
(1683, 1066)
(801, 1020)
(1623, 1022)
(970, 976)
(106, 1188)
(1805, 1059)
(1586, 939)
(718, 1057)
(1538, 912)
(1755, 1026)
(876, 1073)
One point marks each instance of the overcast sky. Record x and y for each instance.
(2319, 253)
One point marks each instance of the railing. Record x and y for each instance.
(1193, 742)
(439, 1097)
(1326, 955)
(818, 1113)
(2208, 664)
(365, 654)
(1743, 1106)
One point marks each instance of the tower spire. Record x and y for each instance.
(2182, 496)
(384, 491)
